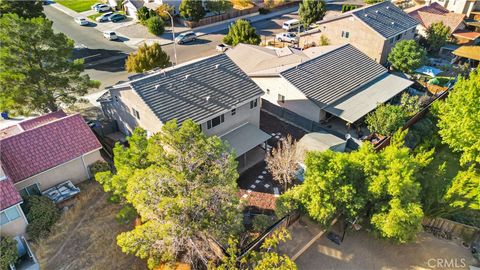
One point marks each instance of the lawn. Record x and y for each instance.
(78, 5)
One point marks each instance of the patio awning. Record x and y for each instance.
(245, 138)
(470, 35)
(470, 52)
(356, 105)
(427, 70)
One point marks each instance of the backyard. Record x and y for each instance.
(77, 5)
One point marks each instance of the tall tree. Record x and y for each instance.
(311, 11)
(385, 119)
(183, 185)
(8, 249)
(464, 192)
(147, 58)
(282, 161)
(407, 56)
(24, 9)
(218, 6)
(192, 10)
(241, 32)
(437, 35)
(36, 68)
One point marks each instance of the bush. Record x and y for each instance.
(161, 12)
(144, 13)
(156, 25)
(262, 222)
(324, 41)
(8, 252)
(263, 10)
(41, 214)
(126, 215)
(98, 166)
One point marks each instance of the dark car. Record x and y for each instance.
(105, 17)
(117, 17)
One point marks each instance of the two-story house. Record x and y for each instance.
(461, 6)
(374, 29)
(214, 92)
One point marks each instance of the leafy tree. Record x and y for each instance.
(24, 9)
(218, 6)
(192, 10)
(162, 12)
(437, 35)
(156, 25)
(41, 214)
(143, 14)
(241, 32)
(147, 58)
(407, 56)
(371, 2)
(282, 163)
(386, 119)
(183, 186)
(458, 118)
(262, 222)
(264, 259)
(36, 69)
(8, 250)
(311, 11)
(464, 192)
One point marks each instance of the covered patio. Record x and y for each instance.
(249, 143)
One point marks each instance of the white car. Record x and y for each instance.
(102, 8)
(287, 37)
(81, 21)
(94, 7)
(222, 47)
(110, 35)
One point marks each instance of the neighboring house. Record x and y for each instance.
(37, 154)
(321, 82)
(374, 29)
(212, 91)
(461, 6)
(132, 6)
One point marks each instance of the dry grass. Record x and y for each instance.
(85, 236)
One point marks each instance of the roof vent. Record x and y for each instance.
(207, 98)
(187, 76)
(393, 23)
(157, 86)
(217, 66)
(366, 15)
(387, 7)
(376, 11)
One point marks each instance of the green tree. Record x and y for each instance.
(219, 6)
(192, 10)
(24, 9)
(162, 12)
(464, 192)
(371, 2)
(386, 119)
(407, 56)
(147, 58)
(36, 68)
(264, 259)
(437, 35)
(8, 251)
(156, 25)
(311, 11)
(144, 13)
(183, 186)
(458, 118)
(241, 32)
(41, 214)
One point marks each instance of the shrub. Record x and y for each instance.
(41, 214)
(98, 166)
(161, 12)
(156, 25)
(262, 222)
(263, 10)
(8, 252)
(143, 14)
(324, 40)
(126, 215)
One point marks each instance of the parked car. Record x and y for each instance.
(104, 17)
(287, 37)
(81, 21)
(110, 35)
(94, 7)
(222, 47)
(186, 37)
(117, 17)
(102, 8)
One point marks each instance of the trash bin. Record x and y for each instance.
(4, 115)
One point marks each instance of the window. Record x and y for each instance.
(234, 111)
(116, 99)
(268, 91)
(30, 190)
(136, 114)
(281, 98)
(9, 215)
(413, 30)
(253, 103)
(345, 34)
(392, 40)
(399, 36)
(215, 121)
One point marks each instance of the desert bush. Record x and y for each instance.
(41, 214)
(156, 25)
(324, 41)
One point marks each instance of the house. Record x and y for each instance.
(37, 154)
(213, 92)
(320, 83)
(374, 29)
(132, 6)
(461, 6)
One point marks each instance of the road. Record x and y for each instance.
(103, 58)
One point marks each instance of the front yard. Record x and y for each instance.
(78, 5)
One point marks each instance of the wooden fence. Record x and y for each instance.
(455, 229)
(234, 13)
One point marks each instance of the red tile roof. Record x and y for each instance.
(10, 131)
(467, 34)
(46, 145)
(8, 194)
(434, 13)
(41, 120)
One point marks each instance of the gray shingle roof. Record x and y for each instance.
(214, 85)
(334, 74)
(385, 18)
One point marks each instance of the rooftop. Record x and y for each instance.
(434, 13)
(8, 194)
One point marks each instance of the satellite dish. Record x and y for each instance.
(348, 136)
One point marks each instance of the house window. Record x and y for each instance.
(116, 99)
(234, 111)
(281, 98)
(30, 190)
(399, 36)
(268, 91)
(136, 114)
(345, 34)
(215, 121)
(9, 215)
(253, 104)
(392, 40)
(413, 30)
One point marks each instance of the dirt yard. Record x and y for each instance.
(85, 236)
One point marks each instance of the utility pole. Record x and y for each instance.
(173, 34)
